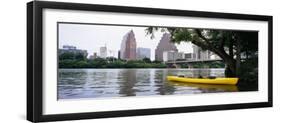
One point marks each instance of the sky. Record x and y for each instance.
(91, 37)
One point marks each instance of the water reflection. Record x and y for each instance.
(93, 83)
(203, 87)
(127, 82)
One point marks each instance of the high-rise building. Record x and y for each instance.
(119, 57)
(143, 53)
(69, 47)
(165, 44)
(72, 49)
(200, 54)
(128, 46)
(103, 52)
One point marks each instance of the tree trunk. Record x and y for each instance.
(230, 70)
(231, 49)
(238, 58)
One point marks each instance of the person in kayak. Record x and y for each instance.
(212, 77)
(200, 77)
(209, 77)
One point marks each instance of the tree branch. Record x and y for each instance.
(201, 36)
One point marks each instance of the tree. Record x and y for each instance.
(72, 56)
(146, 60)
(67, 55)
(226, 44)
(80, 56)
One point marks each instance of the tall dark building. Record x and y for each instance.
(119, 57)
(128, 47)
(164, 45)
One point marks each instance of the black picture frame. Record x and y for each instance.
(35, 69)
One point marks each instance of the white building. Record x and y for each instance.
(169, 56)
(200, 54)
(180, 55)
(103, 52)
(143, 53)
(188, 56)
(172, 55)
(214, 56)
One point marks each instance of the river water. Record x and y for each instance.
(102, 83)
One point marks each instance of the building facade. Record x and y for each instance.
(169, 56)
(188, 56)
(128, 47)
(200, 54)
(68, 47)
(103, 52)
(72, 49)
(180, 56)
(173, 56)
(143, 53)
(164, 45)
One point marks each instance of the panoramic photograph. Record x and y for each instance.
(109, 61)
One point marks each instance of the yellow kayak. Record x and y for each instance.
(227, 81)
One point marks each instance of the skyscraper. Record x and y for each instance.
(103, 52)
(164, 45)
(128, 46)
(119, 57)
(143, 53)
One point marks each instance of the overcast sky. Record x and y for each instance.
(92, 37)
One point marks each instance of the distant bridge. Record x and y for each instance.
(190, 63)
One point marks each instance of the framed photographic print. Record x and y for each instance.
(94, 61)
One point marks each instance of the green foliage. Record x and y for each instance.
(156, 62)
(72, 56)
(67, 56)
(146, 60)
(249, 70)
(81, 64)
(109, 63)
(67, 63)
(72, 64)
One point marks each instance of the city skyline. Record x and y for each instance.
(93, 37)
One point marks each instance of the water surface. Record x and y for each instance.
(95, 83)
